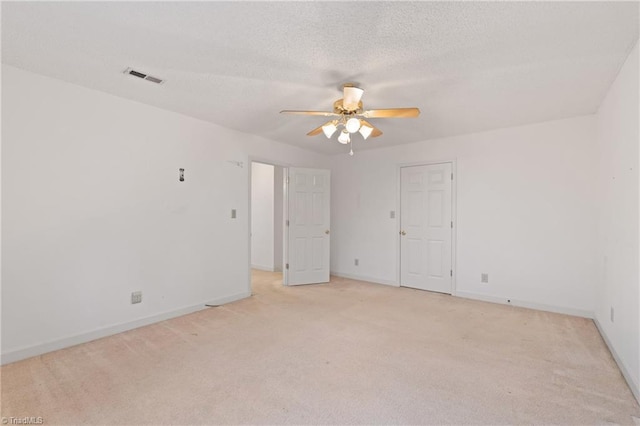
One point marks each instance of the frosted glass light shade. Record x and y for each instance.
(329, 129)
(352, 96)
(344, 137)
(353, 124)
(365, 131)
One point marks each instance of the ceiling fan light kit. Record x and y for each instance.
(344, 137)
(350, 116)
(352, 125)
(330, 128)
(365, 130)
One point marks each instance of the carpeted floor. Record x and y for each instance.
(342, 353)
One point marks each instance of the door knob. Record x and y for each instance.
(326, 232)
(403, 233)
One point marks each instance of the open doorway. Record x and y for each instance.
(267, 220)
(289, 223)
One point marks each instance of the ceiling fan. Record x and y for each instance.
(350, 115)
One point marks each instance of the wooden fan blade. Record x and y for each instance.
(392, 113)
(315, 131)
(375, 133)
(323, 113)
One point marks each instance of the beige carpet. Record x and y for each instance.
(341, 353)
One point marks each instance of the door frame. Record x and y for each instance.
(454, 215)
(285, 214)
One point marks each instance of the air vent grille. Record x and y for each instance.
(131, 71)
(153, 79)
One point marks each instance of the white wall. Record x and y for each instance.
(262, 216)
(278, 217)
(93, 210)
(526, 213)
(618, 280)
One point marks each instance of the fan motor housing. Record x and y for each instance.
(338, 108)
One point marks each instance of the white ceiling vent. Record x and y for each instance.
(143, 76)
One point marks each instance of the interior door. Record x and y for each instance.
(308, 226)
(426, 227)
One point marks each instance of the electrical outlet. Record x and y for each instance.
(136, 297)
(612, 314)
(484, 277)
(356, 262)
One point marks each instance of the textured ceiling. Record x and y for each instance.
(469, 66)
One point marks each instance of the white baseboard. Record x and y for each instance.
(530, 305)
(365, 278)
(635, 389)
(65, 342)
(263, 268)
(482, 297)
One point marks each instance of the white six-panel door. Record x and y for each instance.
(309, 231)
(426, 227)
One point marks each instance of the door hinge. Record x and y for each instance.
(451, 175)
(451, 272)
(452, 224)
(287, 222)
(287, 266)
